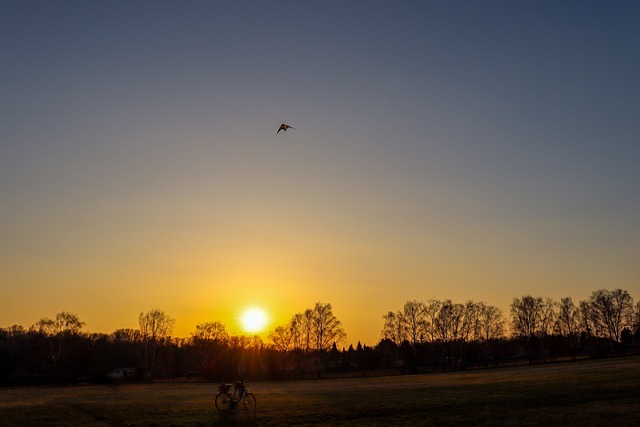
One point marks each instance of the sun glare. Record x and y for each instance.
(254, 320)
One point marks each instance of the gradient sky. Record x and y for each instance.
(478, 150)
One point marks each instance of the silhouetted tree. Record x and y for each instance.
(439, 335)
(127, 349)
(526, 315)
(155, 328)
(612, 311)
(302, 327)
(414, 320)
(57, 331)
(282, 338)
(310, 333)
(490, 323)
(636, 325)
(471, 321)
(209, 340)
(568, 323)
(327, 329)
(526, 322)
(448, 322)
(431, 311)
(586, 319)
(567, 320)
(394, 327)
(548, 318)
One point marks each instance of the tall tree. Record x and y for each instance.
(527, 322)
(155, 328)
(612, 311)
(300, 331)
(282, 338)
(548, 316)
(636, 324)
(57, 331)
(431, 310)
(526, 315)
(303, 324)
(491, 323)
(394, 328)
(448, 322)
(414, 320)
(327, 329)
(209, 339)
(567, 321)
(471, 321)
(586, 320)
(636, 318)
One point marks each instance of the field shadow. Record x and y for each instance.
(236, 417)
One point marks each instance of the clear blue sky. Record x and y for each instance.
(443, 149)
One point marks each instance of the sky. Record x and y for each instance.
(469, 150)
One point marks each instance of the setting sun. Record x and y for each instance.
(254, 320)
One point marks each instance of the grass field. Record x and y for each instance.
(587, 393)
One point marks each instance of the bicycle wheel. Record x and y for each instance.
(223, 401)
(249, 402)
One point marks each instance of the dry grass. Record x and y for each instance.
(590, 393)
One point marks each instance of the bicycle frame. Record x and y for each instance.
(239, 391)
(240, 394)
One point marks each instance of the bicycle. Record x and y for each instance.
(225, 401)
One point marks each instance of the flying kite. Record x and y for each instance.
(284, 127)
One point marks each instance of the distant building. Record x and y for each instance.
(122, 374)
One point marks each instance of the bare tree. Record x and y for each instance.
(256, 343)
(57, 331)
(471, 321)
(457, 321)
(548, 316)
(612, 311)
(208, 339)
(155, 324)
(526, 315)
(636, 318)
(314, 329)
(567, 321)
(155, 327)
(586, 319)
(431, 310)
(302, 330)
(327, 329)
(211, 332)
(527, 322)
(491, 322)
(449, 321)
(126, 335)
(282, 338)
(414, 320)
(636, 324)
(14, 331)
(240, 342)
(394, 327)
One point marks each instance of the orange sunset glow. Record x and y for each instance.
(437, 151)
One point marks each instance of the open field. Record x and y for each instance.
(584, 393)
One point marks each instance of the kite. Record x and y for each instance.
(284, 127)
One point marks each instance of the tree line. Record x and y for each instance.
(419, 337)
(443, 333)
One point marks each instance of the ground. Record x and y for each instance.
(586, 393)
